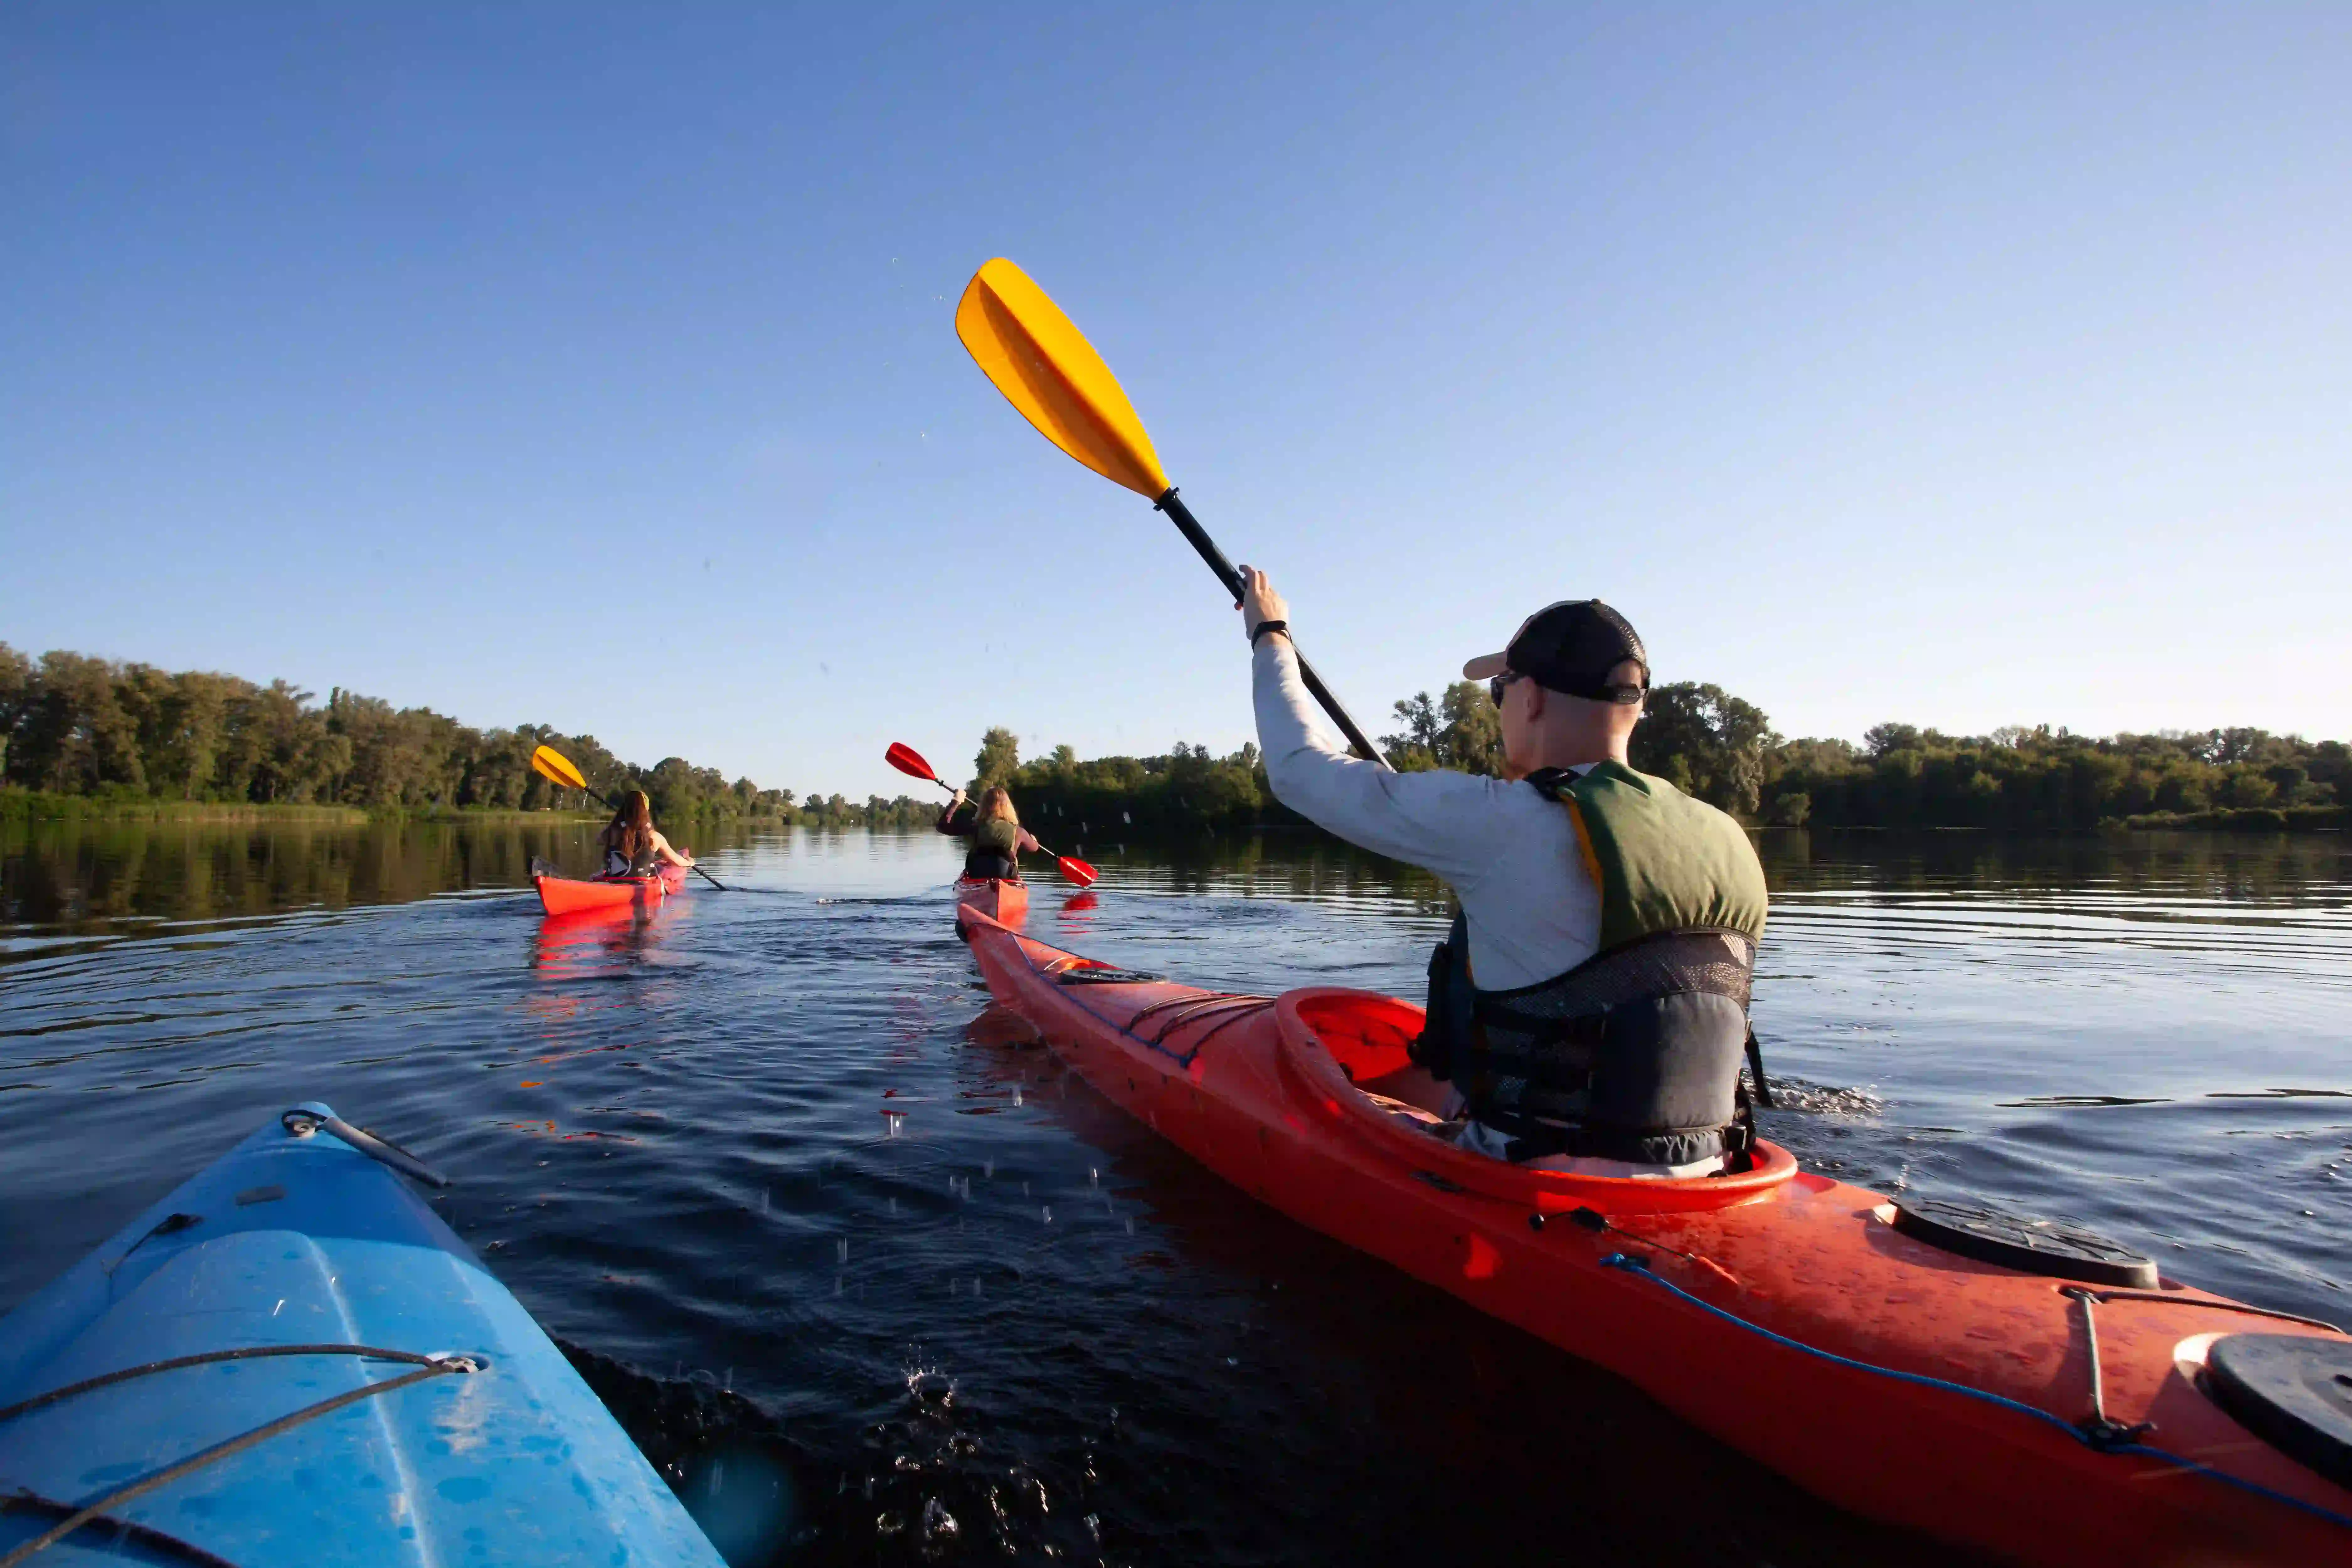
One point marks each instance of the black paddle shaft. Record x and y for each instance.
(1189, 527)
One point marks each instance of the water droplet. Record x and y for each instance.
(841, 1249)
(1130, 1225)
(894, 1209)
(988, 1169)
(1092, 1176)
(1047, 1210)
(1017, 1094)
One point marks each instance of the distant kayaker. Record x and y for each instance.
(1590, 1008)
(998, 839)
(632, 846)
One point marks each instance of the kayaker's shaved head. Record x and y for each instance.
(1545, 728)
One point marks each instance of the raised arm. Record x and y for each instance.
(947, 822)
(1454, 824)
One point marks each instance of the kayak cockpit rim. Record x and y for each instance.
(1371, 1033)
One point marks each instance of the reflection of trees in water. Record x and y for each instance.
(2265, 868)
(88, 875)
(2268, 868)
(83, 876)
(1303, 864)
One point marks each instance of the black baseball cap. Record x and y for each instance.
(1572, 647)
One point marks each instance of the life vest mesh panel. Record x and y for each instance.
(1710, 962)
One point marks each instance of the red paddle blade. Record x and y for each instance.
(1077, 869)
(907, 760)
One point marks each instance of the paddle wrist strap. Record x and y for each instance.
(1263, 627)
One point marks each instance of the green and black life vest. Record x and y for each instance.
(1634, 1053)
(995, 849)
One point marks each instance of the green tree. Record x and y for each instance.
(1881, 738)
(1705, 742)
(1462, 729)
(998, 760)
(77, 738)
(15, 698)
(186, 758)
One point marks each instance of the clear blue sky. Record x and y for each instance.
(593, 366)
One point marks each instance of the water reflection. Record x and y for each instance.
(64, 881)
(600, 942)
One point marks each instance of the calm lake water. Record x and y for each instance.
(1008, 1324)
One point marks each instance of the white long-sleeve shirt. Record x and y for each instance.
(1508, 854)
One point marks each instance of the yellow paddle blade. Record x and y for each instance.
(1048, 370)
(551, 764)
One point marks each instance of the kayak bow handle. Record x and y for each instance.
(303, 1121)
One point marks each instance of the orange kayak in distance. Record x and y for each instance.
(2016, 1387)
(576, 895)
(1004, 899)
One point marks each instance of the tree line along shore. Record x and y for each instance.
(80, 735)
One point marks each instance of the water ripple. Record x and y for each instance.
(871, 1278)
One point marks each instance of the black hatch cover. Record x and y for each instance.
(2036, 1246)
(2292, 1391)
(1105, 975)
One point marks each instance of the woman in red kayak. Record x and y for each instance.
(632, 846)
(997, 836)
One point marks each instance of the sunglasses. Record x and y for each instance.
(1501, 683)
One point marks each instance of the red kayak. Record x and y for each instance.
(998, 898)
(2013, 1385)
(576, 895)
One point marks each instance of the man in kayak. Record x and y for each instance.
(1590, 1008)
(997, 836)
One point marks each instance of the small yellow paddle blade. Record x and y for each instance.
(1048, 370)
(551, 764)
